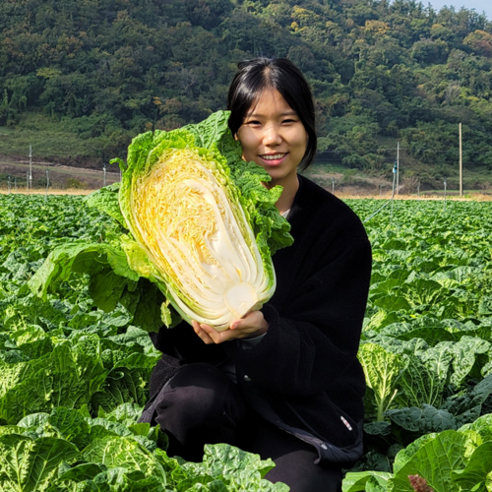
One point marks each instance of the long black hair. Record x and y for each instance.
(254, 76)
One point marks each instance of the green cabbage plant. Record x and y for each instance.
(198, 223)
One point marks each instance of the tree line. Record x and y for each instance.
(380, 70)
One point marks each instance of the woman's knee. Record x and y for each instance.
(198, 393)
(199, 403)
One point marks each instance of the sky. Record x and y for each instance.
(479, 5)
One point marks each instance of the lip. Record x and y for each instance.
(273, 162)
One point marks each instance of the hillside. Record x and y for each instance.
(79, 79)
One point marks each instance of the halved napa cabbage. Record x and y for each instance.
(206, 241)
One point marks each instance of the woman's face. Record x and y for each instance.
(273, 136)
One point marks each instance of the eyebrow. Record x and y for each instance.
(286, 113)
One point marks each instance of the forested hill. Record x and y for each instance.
(105, 70)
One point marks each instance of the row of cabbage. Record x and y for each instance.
(73, 379)
(426, 349)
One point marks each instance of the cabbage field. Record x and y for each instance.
(73, 379)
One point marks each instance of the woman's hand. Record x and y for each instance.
(252, 325)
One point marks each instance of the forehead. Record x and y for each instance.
(269, 102)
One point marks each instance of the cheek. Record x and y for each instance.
(247, 141)
(304, 142)
(300, 142)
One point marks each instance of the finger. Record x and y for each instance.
(253, 323)
(204, 336)
(244, 322)
(220, 336)
(212, 333)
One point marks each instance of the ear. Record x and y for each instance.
(236, 137)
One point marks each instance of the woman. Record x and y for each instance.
(284, 381)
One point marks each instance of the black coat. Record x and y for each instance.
(304, 375)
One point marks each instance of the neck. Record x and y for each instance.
(286, 199)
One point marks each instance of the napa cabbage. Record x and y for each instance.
(198, 223)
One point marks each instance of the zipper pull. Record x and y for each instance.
(345, 422)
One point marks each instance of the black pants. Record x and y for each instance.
(200, 405)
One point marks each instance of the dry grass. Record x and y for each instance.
(350, 194)
(347, 193)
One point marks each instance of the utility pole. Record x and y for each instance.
(397, 166)
(30, 166)
(47, 184)
(445, 187)
(461, 161)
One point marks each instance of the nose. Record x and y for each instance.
(271, 136)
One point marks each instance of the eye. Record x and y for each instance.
(288, 121)
(253, 123)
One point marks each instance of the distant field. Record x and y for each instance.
(60, 177)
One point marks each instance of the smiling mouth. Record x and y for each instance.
(273, 157)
